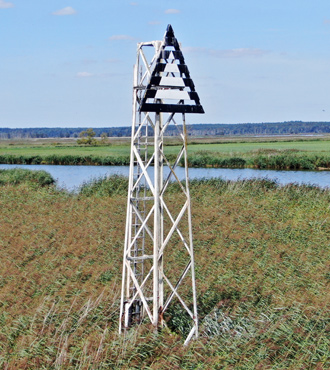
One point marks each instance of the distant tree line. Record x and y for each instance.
(271, 128)
(202, 129)
(61, 132)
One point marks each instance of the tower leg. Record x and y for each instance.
(157, 219)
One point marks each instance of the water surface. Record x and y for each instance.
(72, 177)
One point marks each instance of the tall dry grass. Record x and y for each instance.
(262, 268)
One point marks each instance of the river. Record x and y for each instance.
(71, 177)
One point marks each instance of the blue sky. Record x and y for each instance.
(70, 63)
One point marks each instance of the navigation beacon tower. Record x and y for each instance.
(158, 262)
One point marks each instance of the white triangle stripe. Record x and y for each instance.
(172, 82)
(172, 94)
(171, 68)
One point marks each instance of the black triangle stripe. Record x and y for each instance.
(165, 54)
(171, 41)
(169, 31)
(160, 67)
(171, 108)
(155, 81)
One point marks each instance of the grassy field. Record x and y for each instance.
(121, 146)
(272, 153)
(263, 285)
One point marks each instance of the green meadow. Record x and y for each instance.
(265, 153)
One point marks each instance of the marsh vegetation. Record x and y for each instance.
(263, 286)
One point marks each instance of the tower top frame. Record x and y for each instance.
(168, 79)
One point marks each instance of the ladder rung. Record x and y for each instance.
(140, 258)
(142, 198)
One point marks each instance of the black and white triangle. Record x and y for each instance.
(170, 88)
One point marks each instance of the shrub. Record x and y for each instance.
(18, 176)
(105, 186)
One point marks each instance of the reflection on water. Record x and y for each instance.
(71, 177)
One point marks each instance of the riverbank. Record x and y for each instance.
(287, 159)
(277, 160)
(293, 154)
(262, 287)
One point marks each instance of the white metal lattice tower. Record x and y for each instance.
(158, 262)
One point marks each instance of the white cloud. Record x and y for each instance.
(84, 74)
(5, 4)
(189, 49)
(121, 37)
(65, 11)
(154, 23)
(172, 11)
